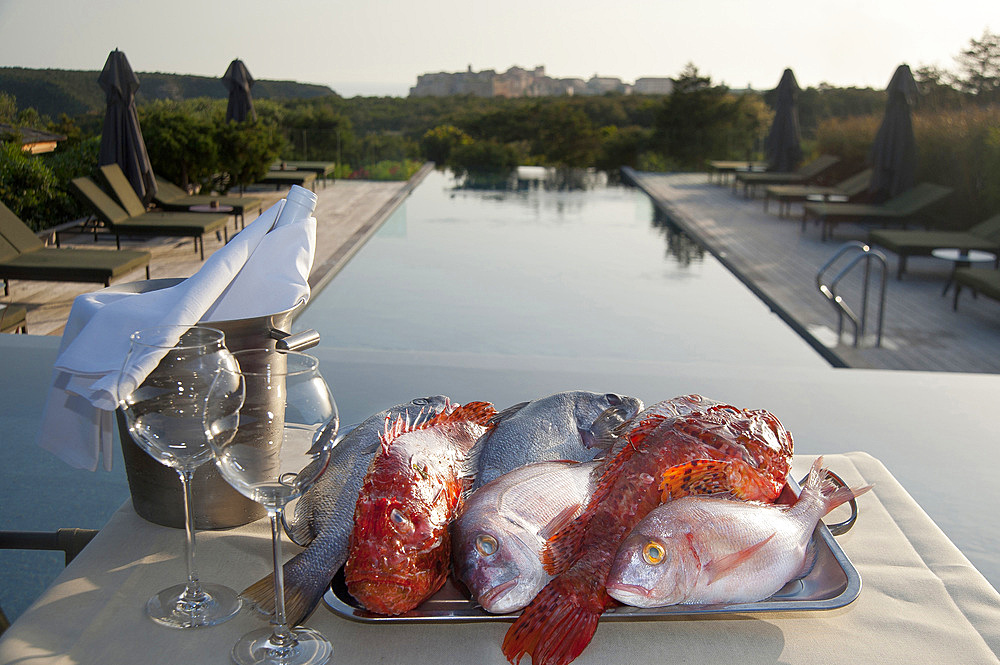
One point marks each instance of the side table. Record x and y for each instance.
(961, 258)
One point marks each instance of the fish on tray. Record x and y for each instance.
(498, 537)
(712, 449)
(400, 548)
(715, 550)
(568, 425)
(322, 519)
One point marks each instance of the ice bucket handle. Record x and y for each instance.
(297, 342)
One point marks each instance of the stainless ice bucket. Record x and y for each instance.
(156, 490)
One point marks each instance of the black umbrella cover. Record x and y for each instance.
(238, 81)
(783, 145)
(121, 139)
(894, 151)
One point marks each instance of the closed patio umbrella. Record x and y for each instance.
(121, 139)
(782, 147)
(894, 151)
(238, 80)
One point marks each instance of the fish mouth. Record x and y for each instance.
(630, 589)
(489, 597)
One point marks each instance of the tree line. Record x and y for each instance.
(190, 142)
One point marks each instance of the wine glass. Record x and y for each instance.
(163, 388)
(285, 421)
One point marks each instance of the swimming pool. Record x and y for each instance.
(589, 274)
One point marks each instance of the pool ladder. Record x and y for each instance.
(851, 254)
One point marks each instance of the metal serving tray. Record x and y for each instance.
(833, 582)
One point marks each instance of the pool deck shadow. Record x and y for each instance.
(779, 260)
(347, 213)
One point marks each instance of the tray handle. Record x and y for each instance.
(840, 528)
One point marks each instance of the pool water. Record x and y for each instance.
(585, 274)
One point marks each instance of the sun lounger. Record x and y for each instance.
(978, 280)
(901, 209)
(172, 198)
(845, 190)
(121, 221)
(984, 236)
(804, 175)
(23, 256)
(322, 169)
(723, 168)
(13, 318)
(288, 178)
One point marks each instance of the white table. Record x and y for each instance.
(921, 600)
(961, 258)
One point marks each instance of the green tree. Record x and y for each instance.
(437, 144)
(484, 160)
(181, 142)
(246, 151)
(699, 121)
(980, 67)
(566, 137)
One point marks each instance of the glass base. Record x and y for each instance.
(256, 648)
(171, 608)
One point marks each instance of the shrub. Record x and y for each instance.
(30, 188)
(436, 144)
(484, 158)
(961, 149)
(958, 148)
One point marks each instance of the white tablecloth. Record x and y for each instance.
(921, 601)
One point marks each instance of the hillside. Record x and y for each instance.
(55, 91)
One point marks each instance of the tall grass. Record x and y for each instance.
(957, 148)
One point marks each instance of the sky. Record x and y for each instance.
(379, 47)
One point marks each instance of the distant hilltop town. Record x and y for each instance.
(518, 82)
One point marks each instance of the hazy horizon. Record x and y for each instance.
(381, 48)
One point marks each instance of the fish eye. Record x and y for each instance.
(653, 553)
(613, 399)
(486, 544)
(421, 400)
(400, 521)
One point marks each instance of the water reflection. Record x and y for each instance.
(527, 178)
(681, 247)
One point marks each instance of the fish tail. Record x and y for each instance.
(554, 629)
(832, 493)
(304, 587)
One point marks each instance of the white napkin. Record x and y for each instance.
(263, 270)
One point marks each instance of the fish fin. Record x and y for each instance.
(606, 429)
(300, 527)
(509, 412)
(705, 477)
(563, 547)
(554, 628)
(478, 412)
(305, 585)
(716, 569)
(809, 562)
(560, 521)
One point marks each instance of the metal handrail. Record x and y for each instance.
(859, 252)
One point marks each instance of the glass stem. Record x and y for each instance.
(282, 637)
(193, 593)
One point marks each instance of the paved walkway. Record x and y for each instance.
(779, 261)
(347, 212)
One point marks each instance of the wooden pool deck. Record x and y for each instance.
(780, 261)
(347, 212)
